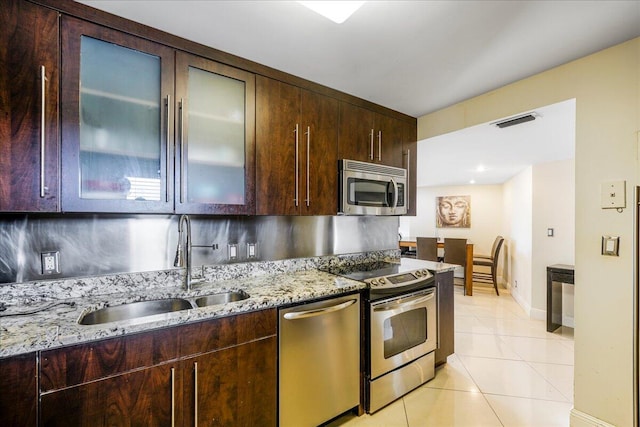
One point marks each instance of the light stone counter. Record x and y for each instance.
(269, 285)
(434, 267)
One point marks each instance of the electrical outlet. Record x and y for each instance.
(50, 262)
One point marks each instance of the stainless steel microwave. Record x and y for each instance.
(371, 189)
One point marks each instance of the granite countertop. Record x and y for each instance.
(270, 284)
(58, 326)
(433, 266)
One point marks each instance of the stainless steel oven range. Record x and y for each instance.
(401, 328)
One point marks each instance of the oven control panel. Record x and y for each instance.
(399, 280)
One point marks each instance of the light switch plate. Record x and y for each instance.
(252, 250)
(610, 245)
(613, 195)
(233, 251)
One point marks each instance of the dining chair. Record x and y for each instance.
(490, 261)
(455, 252)
(427, 248)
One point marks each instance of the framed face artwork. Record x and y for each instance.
(453, 211)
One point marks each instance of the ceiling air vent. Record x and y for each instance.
(512, 121)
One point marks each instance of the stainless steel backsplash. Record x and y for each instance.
(103, 244)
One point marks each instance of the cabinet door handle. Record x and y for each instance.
(195, 393)
(166, 179)
(43, 130)
(183, 186)
(173, 397)
(297, 171)
(380, 145)
(308, 133)
(371, 150)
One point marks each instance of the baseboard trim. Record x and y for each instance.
(581, 419)
(521, 301)
(538, 314)
(568, 321)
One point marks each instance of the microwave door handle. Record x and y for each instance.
(395, 193)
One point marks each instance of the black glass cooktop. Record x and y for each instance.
(366, 270)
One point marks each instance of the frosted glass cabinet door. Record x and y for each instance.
(215, 152)
(118, 98)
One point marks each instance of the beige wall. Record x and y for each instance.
(486, 216)
(518, 213)
(606, 86)
(553, 207)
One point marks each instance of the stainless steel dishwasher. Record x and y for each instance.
(319, 362)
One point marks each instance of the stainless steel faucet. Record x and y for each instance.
(184, 260)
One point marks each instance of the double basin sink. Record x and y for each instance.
(134, 311)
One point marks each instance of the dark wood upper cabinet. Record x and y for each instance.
(29, 56)
(356, 137)
(296, 157)
(320, 154)
(410, 162)
(101, 114)
(18, 391)
(368, 136)
(388, 140)
(117, 127)
(215, 148)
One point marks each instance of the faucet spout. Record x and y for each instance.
(183, 256)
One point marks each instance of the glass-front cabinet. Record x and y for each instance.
(147, 129)
(215, 147)
(116, 100)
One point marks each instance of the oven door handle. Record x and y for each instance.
(319, 311)
(402, 303)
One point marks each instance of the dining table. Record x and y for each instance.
(410, 243)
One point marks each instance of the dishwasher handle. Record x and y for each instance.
(319, 311)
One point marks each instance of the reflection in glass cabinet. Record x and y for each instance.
(120, 122)
(214, 144)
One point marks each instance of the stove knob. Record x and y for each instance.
(374, 282)
(418, 273)
(425, 272)
(382, 281)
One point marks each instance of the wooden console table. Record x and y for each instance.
(468, 268)
(557, 274)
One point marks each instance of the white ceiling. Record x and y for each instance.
(455, 158)
(411, 56)
(415, 57)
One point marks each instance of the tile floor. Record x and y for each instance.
(506, 371)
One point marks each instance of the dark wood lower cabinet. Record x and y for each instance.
(222, 372)
(18, 391)
(139, 398)
(232, 387)
(444, 282)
